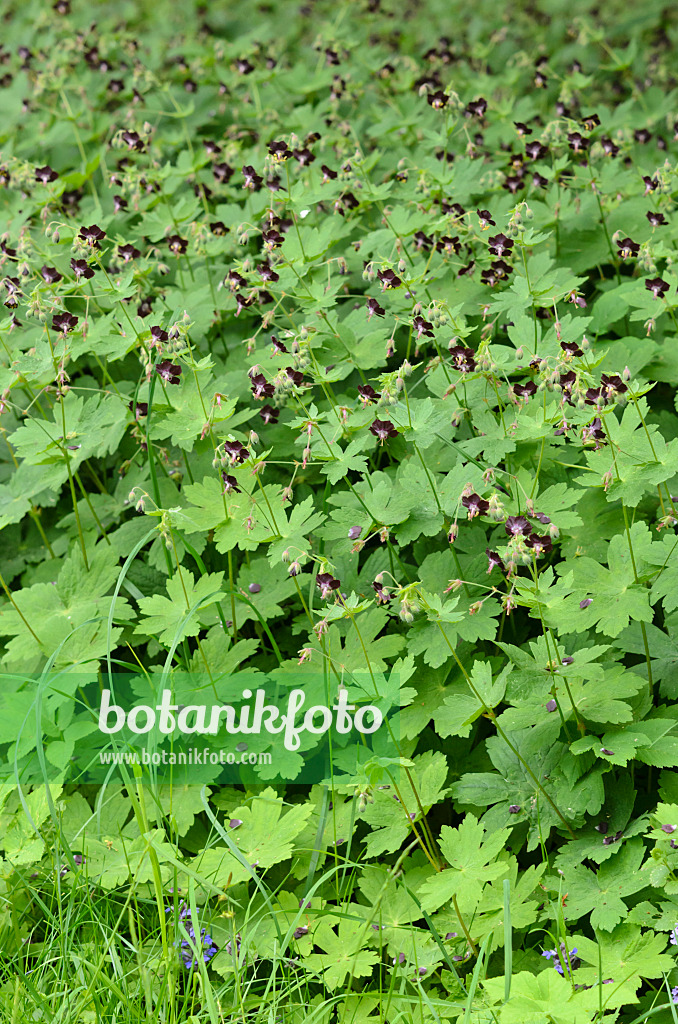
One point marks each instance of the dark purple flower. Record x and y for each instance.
(475, 505)
(627, 248)
(45, 174)
(500, 244)
(656, 219)
(50, 274)
(177, 244)
(236, 451)
(578, 143)
(422, 326)
(81, 268)
(382, 596)
(92, 235)
(494, 561)
(536, 150)
(327, 584)
(373, 308)
(657, 286)
(539, 545)
(128, 252)
(383, 429)
(222, 172)
(594, 432)
(253, 181)
(133, 141)
(389, 279)
(463, 358)
(517, 526)
(485, 218)
(295, 376)
(260, 386)
(437, 99)
(64, 322)
(230, 486)
(525, 390)
(449, 244)
(269, 414)
(169, 371)
(368, 394)
(139, 410)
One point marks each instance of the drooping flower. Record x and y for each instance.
(45, 174)
(383, 429)
(92, 235)
(657, 286)
(169, 371)
(475, 505)
(327, 584)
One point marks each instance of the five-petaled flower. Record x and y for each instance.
(92, 235)
(64, 322)
(169, 371)
(475, 505)
(327, 584)
(45, 174)
(383, 429)
(517, 526)
(657, 285)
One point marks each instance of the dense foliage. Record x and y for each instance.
(339, 347)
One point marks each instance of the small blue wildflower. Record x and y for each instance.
(571, 959)
(673, 935)
(674, 994)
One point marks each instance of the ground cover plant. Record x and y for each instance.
(339, 350)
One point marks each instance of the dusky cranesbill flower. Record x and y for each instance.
(230, 484)
(128, 252)
(539, 545)
(64, 322)
(383, 429)
(50, 274)
(463, 358)
(657, 285)
(269, 414)
(374, 309)
(627, 248)
(494, 561)
(169, 371)
(475, 505)
(177, 244)
(92, 235)
(656, 219)
(422, 326)
(81, 268)
(327, 584)
(260, 387)
(517, 526)
(45, 174)
(500, 244)
(389, 279)
(525, 390)
(368, 394)
(235, 451)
